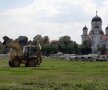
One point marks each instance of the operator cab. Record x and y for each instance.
(29, 50)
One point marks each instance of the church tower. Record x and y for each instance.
(96, 35)
(96, 25)
(96, 32)
(84, 36)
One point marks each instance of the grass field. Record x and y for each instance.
(55, 74)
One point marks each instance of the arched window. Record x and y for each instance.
(96, 26)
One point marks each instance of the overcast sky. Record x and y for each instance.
(54, 18)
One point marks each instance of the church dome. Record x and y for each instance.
(85, 28)
(96, 18)
(107, 27)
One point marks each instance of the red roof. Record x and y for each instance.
(104, 37)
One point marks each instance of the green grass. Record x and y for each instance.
(55, 74)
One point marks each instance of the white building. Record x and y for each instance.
(96, 35)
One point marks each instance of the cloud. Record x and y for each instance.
(9, 4)
(54, 18)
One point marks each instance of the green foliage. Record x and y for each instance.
(1, 47)
(86, 47)
(64, 41)
(50, 49)
(7, 40)
(73, 48)
(46, 40)
(102, 49)
(38, 39)
(22, 40)
(64, 44)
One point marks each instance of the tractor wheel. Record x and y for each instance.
(10, 63)
(31, 63)
(15, 63)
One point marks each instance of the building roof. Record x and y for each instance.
(104, 37)
(107, 27)
(96, 18)
(85, 28)
(100, 32)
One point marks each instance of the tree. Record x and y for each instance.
(6, 41)
(55, 44)
(63, 43)
(46, 40)
(30, 42)
(1, 47)
(70, 48)
(75, 48)
(102, 49)
(22, 40)
(38, 39)
(86, 47)
(50, 49)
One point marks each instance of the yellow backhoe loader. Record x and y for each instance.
(30, 55)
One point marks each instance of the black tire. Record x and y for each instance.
(15, 63)
(31, 63)
(10, 63)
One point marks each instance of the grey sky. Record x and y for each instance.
(54, 18)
